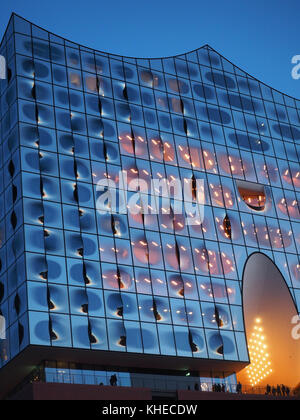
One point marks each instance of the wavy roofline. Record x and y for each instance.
(205, 46)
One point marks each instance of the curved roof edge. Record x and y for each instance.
(205, 46)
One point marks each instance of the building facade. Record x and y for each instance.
(82, 284)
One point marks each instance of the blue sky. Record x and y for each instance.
(260, 36)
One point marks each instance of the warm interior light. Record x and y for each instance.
(213, 262)
(133, 144)
(260, 367)
(252, 194)
(220, 195)
(161, 150)
(233, 165)
(289, 206)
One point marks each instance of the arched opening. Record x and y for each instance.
(268, 311)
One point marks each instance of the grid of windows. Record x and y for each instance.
(72, 277)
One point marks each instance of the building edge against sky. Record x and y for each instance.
(134, 292)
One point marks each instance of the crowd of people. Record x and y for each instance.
(218, 388)
(222, 388)
(276, 391)
(279, 390)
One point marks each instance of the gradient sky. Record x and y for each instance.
(260, 36)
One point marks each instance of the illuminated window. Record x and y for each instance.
(252, 194)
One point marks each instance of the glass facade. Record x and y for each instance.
(73, 277)
(71, 373)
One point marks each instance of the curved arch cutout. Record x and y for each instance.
(266, 298)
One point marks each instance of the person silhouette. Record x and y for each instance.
(113, 380)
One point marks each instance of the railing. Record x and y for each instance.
(159, 384)
(85, 379)
(156, 384)
(248, 389)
